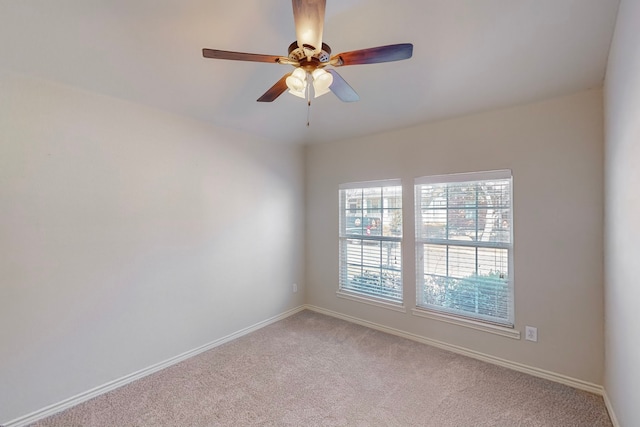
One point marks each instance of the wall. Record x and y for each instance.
(555, 151)
(622, 226)
(129, 236)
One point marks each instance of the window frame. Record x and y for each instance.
(344, 207)
(477, 321)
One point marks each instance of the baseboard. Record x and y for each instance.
(612, 414)
(112, 385)
(536, 372)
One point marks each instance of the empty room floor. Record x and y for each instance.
(315, 370)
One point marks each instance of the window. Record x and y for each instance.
(371, 239)
(464, 245)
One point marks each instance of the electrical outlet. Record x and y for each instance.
(531, 333)
(295, 287)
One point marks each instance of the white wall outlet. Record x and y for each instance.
(531, 333)
(294, 287)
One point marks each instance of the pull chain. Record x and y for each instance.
(308, 103)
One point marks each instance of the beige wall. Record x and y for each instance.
(622, 225)
(129, 236)
(555, 150)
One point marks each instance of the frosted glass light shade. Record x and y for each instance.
(299, 93)
(297, 82)
(321, 82)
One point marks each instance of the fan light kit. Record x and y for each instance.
(298, 82)
(310, 56)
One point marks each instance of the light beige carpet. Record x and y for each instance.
(314, 370)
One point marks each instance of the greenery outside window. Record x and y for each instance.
(464, 245)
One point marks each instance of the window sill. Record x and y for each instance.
(395, 306)
(467, 323)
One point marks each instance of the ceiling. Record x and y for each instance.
(469, 56)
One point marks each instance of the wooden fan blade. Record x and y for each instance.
(239, 56)
(374, 55)
(276, 90)
(308, 16)
(342, 89)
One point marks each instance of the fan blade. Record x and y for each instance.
(240, 56)
(276, 90)
(308, 16)
(374, 55)
(342, 89)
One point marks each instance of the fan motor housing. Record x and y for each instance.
(298, 54)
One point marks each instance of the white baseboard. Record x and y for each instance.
(536, 372)
(612, 414)
(112, 385)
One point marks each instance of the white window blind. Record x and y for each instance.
(464, 245)
(370, 235)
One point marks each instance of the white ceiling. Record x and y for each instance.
(469, 55)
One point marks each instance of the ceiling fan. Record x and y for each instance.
(310, 56)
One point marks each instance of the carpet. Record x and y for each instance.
(315, 370)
